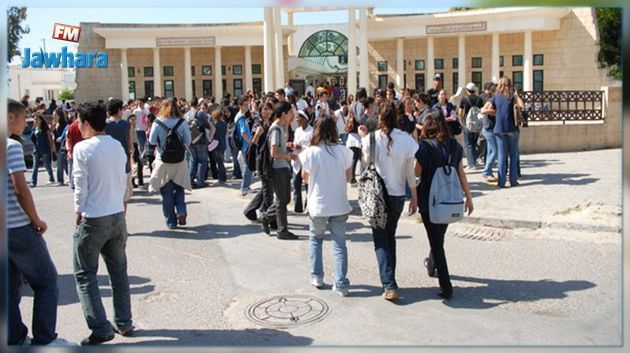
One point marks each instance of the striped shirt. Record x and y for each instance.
(15, 163)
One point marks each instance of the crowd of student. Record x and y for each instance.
(289, 141)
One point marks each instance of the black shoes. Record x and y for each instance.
(124, 331)
(265, 226)
(95, 340)
(446, 295)
(287, 236)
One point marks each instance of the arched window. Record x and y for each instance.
(327, 48)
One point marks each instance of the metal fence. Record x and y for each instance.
(563, 105)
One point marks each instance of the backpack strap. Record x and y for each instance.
(372, 153)
(179, 122)
(161, 124)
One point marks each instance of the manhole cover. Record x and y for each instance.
(476, 232)
(287, 311)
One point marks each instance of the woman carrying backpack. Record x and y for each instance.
(326, 168)
(394, 161)
(436, 136)
(171, 135)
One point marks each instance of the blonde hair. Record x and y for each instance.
(504, 85)
(168, 109)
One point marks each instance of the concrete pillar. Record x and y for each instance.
(249, 82)
(400, 64)
(218, 76)
(188, 89)
(351, 82)
(428, 81)
(157, 73)
(290, 44)
(461, 68)
(495, 58)
(279, 69)
(527, 62)
(268, 50)
(364, 63)
(124, 76)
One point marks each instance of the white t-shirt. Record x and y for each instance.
(141, 119)
(321, 108)
(301, 137)
(341, 121)
(392, 167)
(302, 104)
(327, 188)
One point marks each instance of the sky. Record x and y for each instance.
(41, 19)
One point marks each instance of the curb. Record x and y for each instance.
(515, 223)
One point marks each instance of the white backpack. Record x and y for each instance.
(473, 123)
(446, 197)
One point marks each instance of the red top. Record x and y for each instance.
(73, 136)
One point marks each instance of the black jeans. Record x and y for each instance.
(281, 184)
(435, 233)
(212, 161)
(385, 242)
(263, 201)
(297, 191)
(217, 156)
(356, 156)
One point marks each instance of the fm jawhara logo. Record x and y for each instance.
(64, 59)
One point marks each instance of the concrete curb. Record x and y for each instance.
(515, 223)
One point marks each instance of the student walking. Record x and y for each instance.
(100, 183)
(394, 161)
(44, 147)
(326, 167)
(436, 136)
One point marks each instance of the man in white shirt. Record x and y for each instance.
(301, 140)
(100, 182)
(321, 107)
(142, 117)
(310, 90)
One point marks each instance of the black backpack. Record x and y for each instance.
(264, 160)
(198, 129)
(174, 149)
(237, 139)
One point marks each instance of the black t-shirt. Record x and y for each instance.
(433, 96)
(470, 101)
(429, 167)
(406, 125)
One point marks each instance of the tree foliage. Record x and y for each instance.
(66, 94)
(609, 27)
(15, 17)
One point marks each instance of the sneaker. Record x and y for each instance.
(341, 291)
(391, 294)
(124, 331)
(181, 220)
(317, 282)
(94, 340)
(26, 342)
(49, 182)
(287, 236)
(61, 342)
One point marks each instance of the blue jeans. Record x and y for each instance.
(470, 143)
(507, 144)
(62, 165)
(47, 163)
(247, 174)
(198, 163)
(173, 202)
(491, 151)
(337, 227)
(385, 242)
(142, 140)
(106, 236)
(29, 257)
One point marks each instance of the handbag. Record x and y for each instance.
(372, 191)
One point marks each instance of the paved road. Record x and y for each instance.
(194, 286)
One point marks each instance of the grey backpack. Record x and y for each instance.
(373, 192)
(446, 197)
(473, 123)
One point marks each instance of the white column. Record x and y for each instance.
(157, 73)
(461, 60)
(218, 77)
(268, 50)
(428, 81)
(351, 82)
(277, 21)
(400, 65)
(527, 62)
(290, 44)
(124, 76)
(495, 57)
(188, 91)
(364, 64)
(249, 82)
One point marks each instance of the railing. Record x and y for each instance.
(563, 106)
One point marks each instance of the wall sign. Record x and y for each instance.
(185, 42)
(457, 28)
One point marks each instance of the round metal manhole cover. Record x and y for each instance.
(287, 311)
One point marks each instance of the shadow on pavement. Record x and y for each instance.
(68, 292)
(539, 163)
(247, 337)
(557, 179)
(204, 232)
(496, 292)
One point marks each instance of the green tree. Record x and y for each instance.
(66, 94)
(15, 17)
(609, 27)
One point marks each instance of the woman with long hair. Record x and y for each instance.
(59, 132)
(448, 112)
(44, 147)
(170, 178)
(326, 168)
(394, 161)
(506, 105)
(436, 136)
(406, 120)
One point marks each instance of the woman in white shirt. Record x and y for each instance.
(394, 160)
(326, 167)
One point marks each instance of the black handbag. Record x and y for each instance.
(250, 156)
